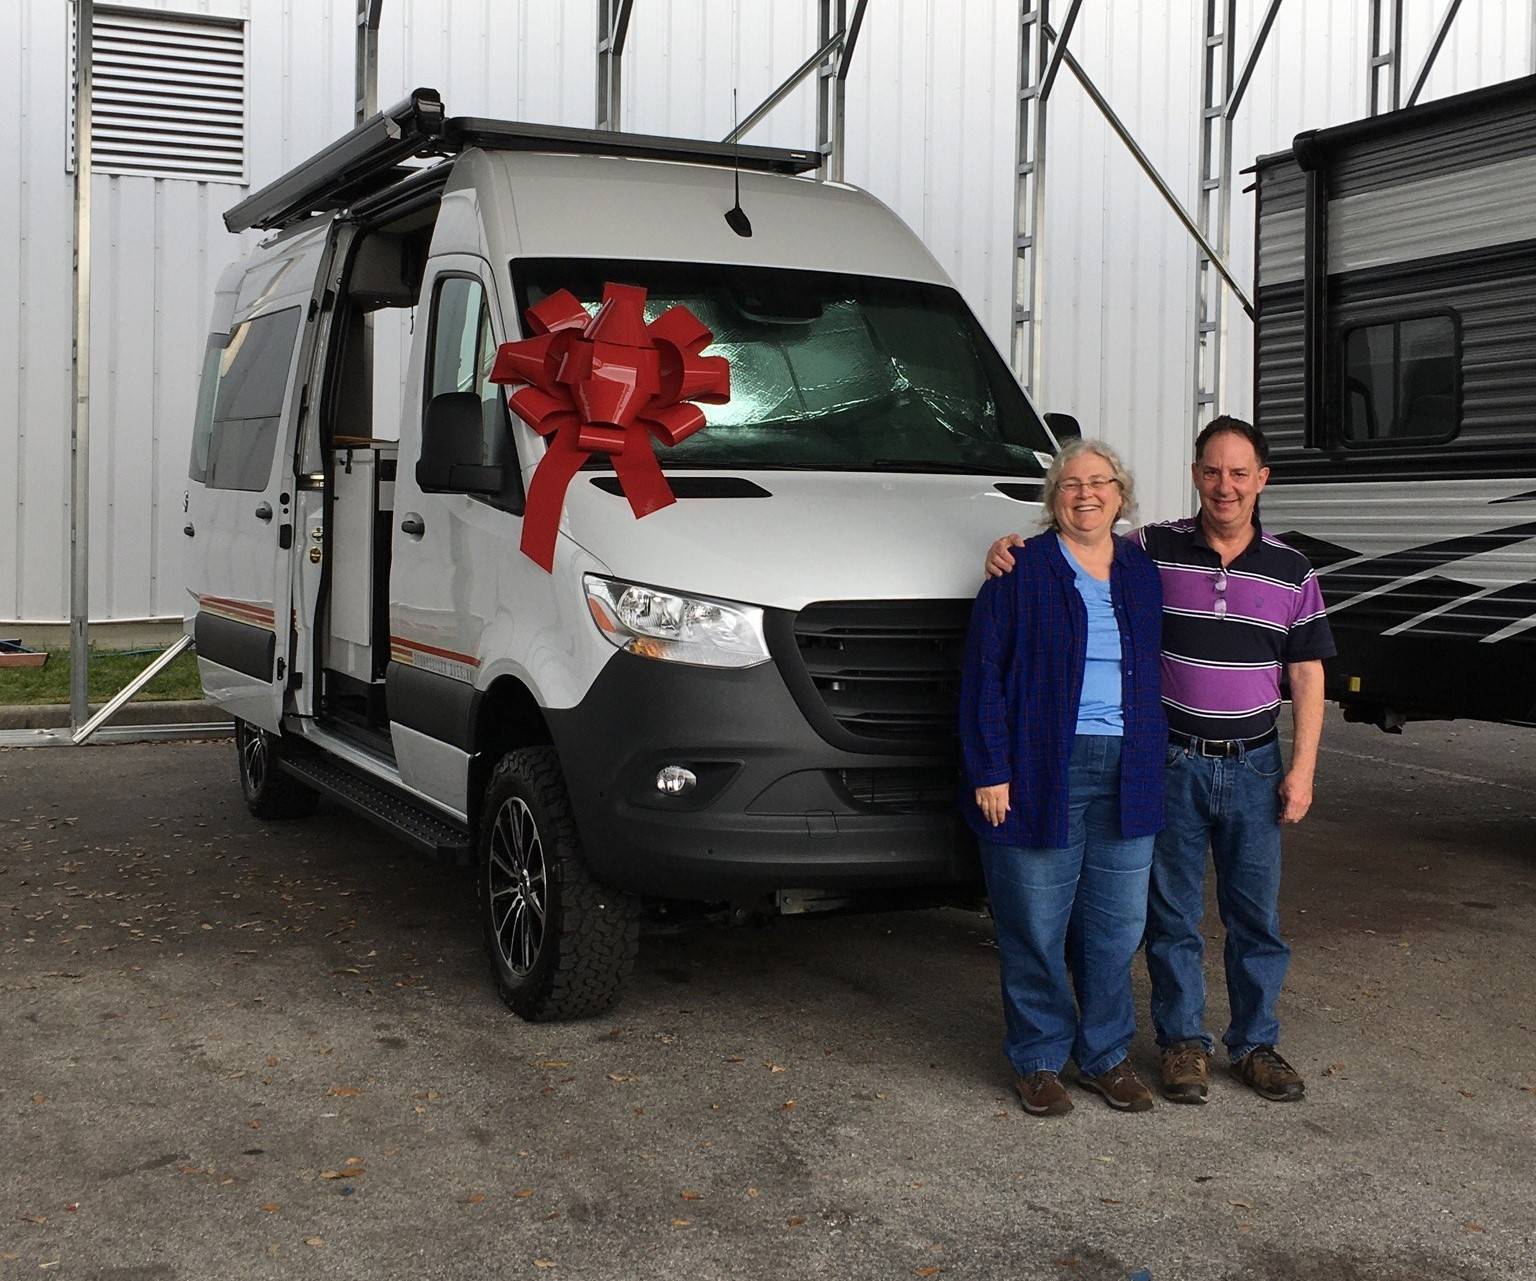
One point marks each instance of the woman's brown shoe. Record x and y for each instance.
(1042, 1094)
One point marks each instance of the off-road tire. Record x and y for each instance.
(269, 791)
(528, 856)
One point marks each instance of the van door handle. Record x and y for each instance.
(413, 525)
(188, 530)
(264, 511)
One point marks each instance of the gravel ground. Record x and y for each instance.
(243, 1050)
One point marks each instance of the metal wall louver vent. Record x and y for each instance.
(168, 96)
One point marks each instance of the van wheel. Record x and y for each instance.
(560, 944)
(269, 792)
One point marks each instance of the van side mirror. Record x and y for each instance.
(464, 450)
(1064, 427)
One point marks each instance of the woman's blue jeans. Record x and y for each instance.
(1080, 909)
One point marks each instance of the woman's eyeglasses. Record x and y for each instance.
(1095, 483)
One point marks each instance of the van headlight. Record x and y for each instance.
(678, 629)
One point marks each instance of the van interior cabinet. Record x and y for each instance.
(361, 505)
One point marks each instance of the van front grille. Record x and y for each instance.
(887, 672)
(901, 791)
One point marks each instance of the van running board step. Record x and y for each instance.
(410, 821)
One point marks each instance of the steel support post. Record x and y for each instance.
(827, 49)
(833, 99)
(1443, 30)
(1213, 206)
(1029, 196)
(612, 31)
(831, 22)
(365, 96)
(1252, 61)
(1384, 70)
(80, 406)
(1147, 167)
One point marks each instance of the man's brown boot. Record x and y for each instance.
(1186, 1072)
(1269, 1076)
(1121, 1088)
(1043, 1094)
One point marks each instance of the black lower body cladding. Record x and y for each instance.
(775, 806)
(241, 647)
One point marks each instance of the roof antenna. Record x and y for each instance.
(736, 217)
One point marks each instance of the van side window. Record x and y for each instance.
(240, 402)
(1402, 381)
(463, 352)
(459, 318)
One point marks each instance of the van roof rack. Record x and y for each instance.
(369, 159)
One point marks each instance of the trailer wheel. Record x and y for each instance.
(269, 792)
(560, 944)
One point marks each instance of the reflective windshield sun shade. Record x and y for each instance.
(829, 372)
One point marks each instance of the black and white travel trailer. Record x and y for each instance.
(1395, 376)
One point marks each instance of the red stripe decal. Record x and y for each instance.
(406, 643)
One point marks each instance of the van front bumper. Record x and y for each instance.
(776, 807)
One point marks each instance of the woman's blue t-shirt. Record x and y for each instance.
(1099, 708)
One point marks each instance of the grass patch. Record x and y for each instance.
(109, 672)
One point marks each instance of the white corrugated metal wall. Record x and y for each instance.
(930, 130)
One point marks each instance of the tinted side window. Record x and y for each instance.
(1402, 381)
(207, 392)
(463, 353)
(456, 329)
(240, 402)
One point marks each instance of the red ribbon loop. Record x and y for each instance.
(606, 383)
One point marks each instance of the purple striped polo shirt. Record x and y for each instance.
(1228, 633)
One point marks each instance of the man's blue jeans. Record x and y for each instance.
(1082, 907)
(1229, 805)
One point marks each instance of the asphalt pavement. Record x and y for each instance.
(236, 1049)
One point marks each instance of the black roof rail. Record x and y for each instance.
(509, 135)
(367, 161)
(360, 162)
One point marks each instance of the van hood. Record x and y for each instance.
(817, 536)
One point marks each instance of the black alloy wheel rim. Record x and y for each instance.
(517, 881)
(253, 758)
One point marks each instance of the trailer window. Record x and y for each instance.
(829, 372)
(240, 402)
(1401, 381)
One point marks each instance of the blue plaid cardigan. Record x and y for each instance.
(1019, 691)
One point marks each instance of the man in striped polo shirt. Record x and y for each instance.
(1240, 609)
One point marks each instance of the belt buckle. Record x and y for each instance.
(1219, 748)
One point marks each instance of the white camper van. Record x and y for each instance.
(744, 698)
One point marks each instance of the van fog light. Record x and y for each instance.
(674, 780)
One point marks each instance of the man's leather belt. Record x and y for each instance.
(1221, 746)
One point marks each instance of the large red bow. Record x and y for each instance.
(606, 384)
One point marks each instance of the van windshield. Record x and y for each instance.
(828, 372)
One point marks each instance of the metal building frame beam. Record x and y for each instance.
(1386, 57)
(1213, 201)
(831, 62)
(612, 31)
(1443, 30)
(1029, 196)
(365, 64)
(832, 81)
(80, 368)
(1157, 180)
